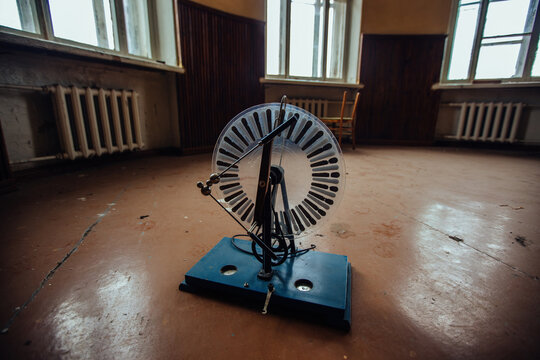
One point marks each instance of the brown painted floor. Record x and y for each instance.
(417, 293)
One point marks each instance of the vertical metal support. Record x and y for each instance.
(79, 121)
(487, 123)
(127, 120)
(506, 122)
(496, 122)
(266, 271)
(116, 121)
(63, 122)
(136, 119)
(105, 124)
(461, 122)
(515, 123)
(470, 120)
(479, 118)
(92, 121)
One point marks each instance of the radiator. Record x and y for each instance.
(93, 122)
(317, 107)
(497, 122)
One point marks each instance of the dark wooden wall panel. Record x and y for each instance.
(7, 183)
(224, 58)
(398, 105)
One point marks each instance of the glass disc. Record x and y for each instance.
(308, 155)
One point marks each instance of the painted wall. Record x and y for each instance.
(28, 119)
(253, 9)
(379, 16)
(405, 17)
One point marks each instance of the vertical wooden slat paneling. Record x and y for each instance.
(224, 58)
(7, 183)
(397, 103)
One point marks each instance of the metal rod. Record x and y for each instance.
(39, 158)
(227, 211)
(252, 235)
(22, 87)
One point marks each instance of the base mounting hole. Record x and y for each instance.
(303, 285)
(229, 270)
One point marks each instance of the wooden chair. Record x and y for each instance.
(344, 126)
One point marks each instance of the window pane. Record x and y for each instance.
(109, 23)
(20, 15)
(273, 36)
(336, 38)
(497, 61)
(463, 42)
(9, 16)
(74, 20)
(138, 36)
(536, 65)
(507, 17)
(306, 32)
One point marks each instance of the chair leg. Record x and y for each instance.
(353, 120)
(341, 117)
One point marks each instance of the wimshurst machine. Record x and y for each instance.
(279, 173)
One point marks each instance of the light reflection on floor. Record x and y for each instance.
(443, 294)
(79, 323)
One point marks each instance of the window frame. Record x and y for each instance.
(284, 57)
(44, 32)
(529, 57)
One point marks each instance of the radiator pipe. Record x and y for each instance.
(34, 159)
(23, 87)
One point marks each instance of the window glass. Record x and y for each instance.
(306, 38)
(302, 42)
(108, 24)
(536, 65)
(463, 40)
(497, 61)
(9, 16)
(19, 14)
(137, 29)
(74, 20)
(273, 37)
(507, 17)
(336, 38)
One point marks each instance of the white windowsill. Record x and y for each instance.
(486, 85)
(310, 83)
(91, 53)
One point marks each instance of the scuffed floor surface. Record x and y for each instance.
(444, 245)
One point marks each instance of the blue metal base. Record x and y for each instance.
(329, 300)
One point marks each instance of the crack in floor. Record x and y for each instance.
(59, 264)
(461, 242)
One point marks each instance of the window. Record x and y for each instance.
(493, 40)
(306, 39)
(131, 27)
